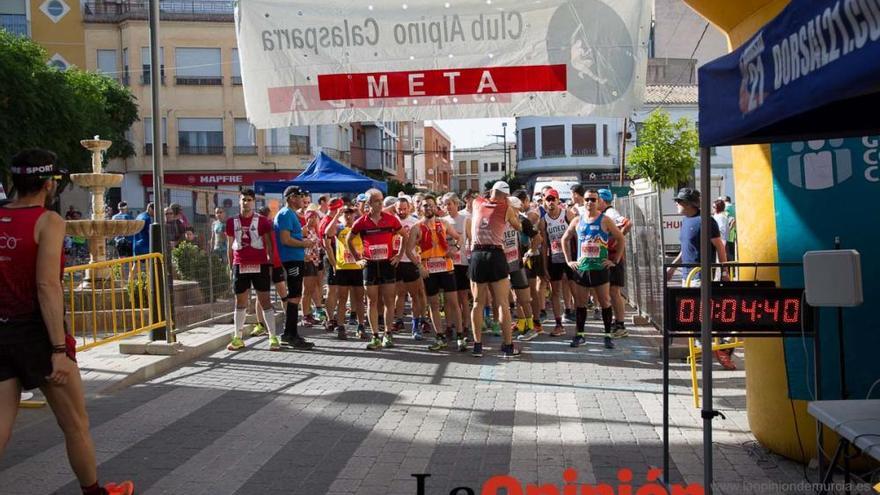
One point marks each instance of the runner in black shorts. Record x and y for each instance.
(35, 349)
(618, 271)
(409, 280)
(556, 221)
(533, 262)
(291, 246)
(457, 218)
(430, 237)
(349, 276)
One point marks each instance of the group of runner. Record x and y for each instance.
(487, 255)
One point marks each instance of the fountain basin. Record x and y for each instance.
(96, 180)
(103, 228)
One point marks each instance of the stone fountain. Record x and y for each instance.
(99, 228)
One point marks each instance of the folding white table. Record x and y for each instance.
(858, 424)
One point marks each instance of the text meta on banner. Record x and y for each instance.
(335, 61)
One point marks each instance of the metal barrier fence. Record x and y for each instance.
(644, 255)
(114, 299)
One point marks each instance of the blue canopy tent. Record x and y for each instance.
(324, 175)
(810, 74)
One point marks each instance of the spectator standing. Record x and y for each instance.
(218, 233)
(124, 245)
(142, 238)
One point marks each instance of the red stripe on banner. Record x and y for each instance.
(443, 82)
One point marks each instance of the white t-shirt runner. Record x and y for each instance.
(397, 244)
(463, 255)
(555, 230)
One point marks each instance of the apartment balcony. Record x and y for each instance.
(201, 150)
(15, 24)
(290, 149)
(177, 10)
(244, 150)
(584, 152)
(339, 156)
(148, 149)
(198, 81)
(552, 153)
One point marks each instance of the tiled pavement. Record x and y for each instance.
(343, 420)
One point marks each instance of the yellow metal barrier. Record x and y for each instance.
(111, 300)
(694, 351)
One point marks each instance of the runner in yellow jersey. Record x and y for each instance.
(349, 276)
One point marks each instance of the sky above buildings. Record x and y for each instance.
(473, 133)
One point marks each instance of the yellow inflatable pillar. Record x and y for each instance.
(769, 409)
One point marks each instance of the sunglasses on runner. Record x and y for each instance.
(591, 200)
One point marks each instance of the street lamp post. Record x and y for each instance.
(504, 128)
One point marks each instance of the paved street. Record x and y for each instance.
(343, 420)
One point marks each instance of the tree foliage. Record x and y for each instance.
(667, 151)
(43, 107)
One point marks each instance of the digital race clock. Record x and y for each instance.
(737, 309)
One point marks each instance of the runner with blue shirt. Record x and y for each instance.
(291, 248)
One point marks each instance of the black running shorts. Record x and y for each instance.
(436, 282)
(242, 282)
(592, 278)
(26, 355)
(487, 266)
(537, 269)
(617, 274)
(558, 270)
(518, 279)
(349, 278)
(407, 272)
(379, 273)
(462, 282)
(294, 271)
(278, 274)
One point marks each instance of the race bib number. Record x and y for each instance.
(347, 258)
(556, 246)
(511, 254)
(590, 250)
(379, 252)
(436, 265)
(249, 269)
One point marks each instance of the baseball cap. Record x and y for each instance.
(361, 198)
(291, 191)
(336, 204)
(405, 198)
(605, 194)
(47, 170)
(551, 192)
(687, 195)
(501, 186)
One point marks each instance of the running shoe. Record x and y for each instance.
(511, 350)
(542, 315)
(235, 345)
(477, 350)
(352, 319)
(725, 361)
(361, 332)
(375, 343)
(330, 325)
(309, 321)
(558, 331)
(274, 344)
(387, 341)
(259, 330)
(578, 340)
(597, 314)
(462, 343)
(608, 343)
(340, 332)
(302, 344)
(439, 344)
(124, 488)
(538, 328)
(320, 313)
(417, 334)
(619, 331)
(529, 335)
(568, 316)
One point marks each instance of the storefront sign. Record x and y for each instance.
(218, 179)
(333, 61)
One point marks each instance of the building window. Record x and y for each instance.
(418, 144)
(503, 167)
(583, 140)
(148, 136)
(245, 138)
(493, 167)
(607, 150)
(462, 168)
(528, 142)
(475, 185)
(236, 67)
(146, 62)
(288, 141)
(485, 167)
(200, 136)
(462, 185)
(107, 63)
(198, 66)
(125, 80)
(475, 166)
(552, 141)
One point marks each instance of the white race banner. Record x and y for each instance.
(330, 61)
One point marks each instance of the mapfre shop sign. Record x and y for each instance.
(329, 61)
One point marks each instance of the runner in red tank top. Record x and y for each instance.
(35, 350)
(377, 230)
(488, 266)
